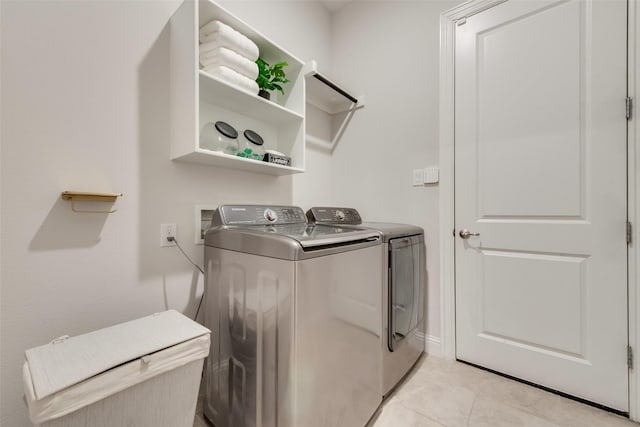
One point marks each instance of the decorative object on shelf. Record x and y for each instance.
(277, 158)
(251, 146)
(76, 196)
(270, 77)
(229, 55)
(219, 136)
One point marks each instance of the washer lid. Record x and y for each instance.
(262, 240)
(290, 242)
(313, 235)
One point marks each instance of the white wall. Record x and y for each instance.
(389, 52)
(85, 107)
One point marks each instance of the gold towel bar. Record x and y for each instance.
(75, 196)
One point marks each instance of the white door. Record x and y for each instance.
(540, 174)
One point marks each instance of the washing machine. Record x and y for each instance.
(294, 310)
(403, 272)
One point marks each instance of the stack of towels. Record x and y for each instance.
(229, 56)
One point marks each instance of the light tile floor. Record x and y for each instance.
(451, 394)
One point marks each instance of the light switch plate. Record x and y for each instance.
(418, 177)
(431, 174)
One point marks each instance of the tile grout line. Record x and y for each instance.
(473, 404)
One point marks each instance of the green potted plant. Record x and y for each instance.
(270, 77)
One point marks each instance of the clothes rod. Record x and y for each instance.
(335, 87)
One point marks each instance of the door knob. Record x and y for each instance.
(465, 234)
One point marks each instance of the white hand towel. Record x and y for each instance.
(216, 31)
(230, 59)
(233, 78)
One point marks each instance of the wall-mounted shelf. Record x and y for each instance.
(79, 196)
(335, 103)
(197, 98)
(325, 94)
(213, 91)
(216, 158)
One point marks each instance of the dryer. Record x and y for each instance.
(403, 272)
(294, 311)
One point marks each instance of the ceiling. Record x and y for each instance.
(333, 5)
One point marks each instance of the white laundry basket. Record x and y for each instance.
(143, 373)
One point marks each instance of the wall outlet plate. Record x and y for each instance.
(168, 230)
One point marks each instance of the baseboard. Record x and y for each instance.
(432, 346)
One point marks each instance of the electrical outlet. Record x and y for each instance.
(168, 230)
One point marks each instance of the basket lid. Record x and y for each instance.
(70, 360)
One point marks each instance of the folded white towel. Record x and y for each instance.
(227, 75)
(212, 27)
(230, 59)
(225, 36)
(251, 53)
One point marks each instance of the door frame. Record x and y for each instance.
(448, 21)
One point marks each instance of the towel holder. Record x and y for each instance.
(76, 196)
(326, 95)
(337, 103)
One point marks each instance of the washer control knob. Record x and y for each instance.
(270, 215)
(340, 216)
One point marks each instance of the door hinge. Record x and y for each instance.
(629, 357)
(461, 21)
(629, 233)
(629, 108)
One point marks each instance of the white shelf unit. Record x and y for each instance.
(198, 98)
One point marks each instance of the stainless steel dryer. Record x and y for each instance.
(403, 274)
(294, 311)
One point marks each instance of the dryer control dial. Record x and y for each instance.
(340, 216)
(270, 215)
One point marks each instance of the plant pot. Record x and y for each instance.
(265, 94)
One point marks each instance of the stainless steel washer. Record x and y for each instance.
(403, 272)
(295, 313)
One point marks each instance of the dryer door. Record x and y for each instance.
(405, 296)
